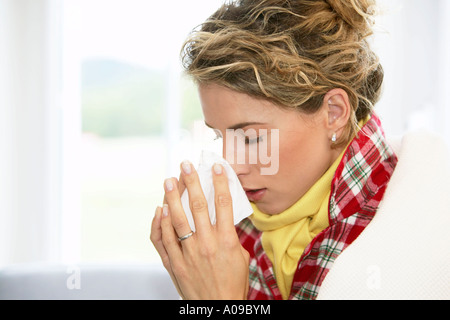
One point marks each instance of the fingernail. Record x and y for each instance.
(165, 210)
(217, 168)
(186, 165)
(169, 184)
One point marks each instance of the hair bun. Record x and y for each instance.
(358, 14)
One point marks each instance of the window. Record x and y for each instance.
(139, 117)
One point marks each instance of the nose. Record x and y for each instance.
(239, 167)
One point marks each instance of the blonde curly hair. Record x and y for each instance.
(291, 52)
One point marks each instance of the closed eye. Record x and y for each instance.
(254, 140)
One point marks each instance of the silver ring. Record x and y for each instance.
(190, 234)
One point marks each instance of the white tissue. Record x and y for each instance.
(241, 206)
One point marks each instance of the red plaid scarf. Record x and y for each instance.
(356, 191)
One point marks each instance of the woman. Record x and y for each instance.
(303, 69)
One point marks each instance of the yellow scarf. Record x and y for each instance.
(286, 235)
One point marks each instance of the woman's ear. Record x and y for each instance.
(338, 108)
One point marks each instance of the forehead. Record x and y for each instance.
(224, 108)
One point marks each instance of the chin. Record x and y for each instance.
(270, 209)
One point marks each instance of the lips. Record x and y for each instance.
(255, 194)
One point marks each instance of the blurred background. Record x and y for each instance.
(95, 113)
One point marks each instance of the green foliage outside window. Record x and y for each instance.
(121, 100)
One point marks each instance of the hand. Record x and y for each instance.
(211, 264)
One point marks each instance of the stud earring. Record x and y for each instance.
(334, 137)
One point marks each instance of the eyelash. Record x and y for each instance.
(247, 139)
(255, 140)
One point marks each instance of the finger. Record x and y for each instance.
(170, 238)
(197, 200)
(156, 238)
(181, 188)
(155, 231)
(222, 198)
(177, 214)
(181, 184)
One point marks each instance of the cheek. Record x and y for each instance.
(294, 153)
(301, 164)
(293, 160)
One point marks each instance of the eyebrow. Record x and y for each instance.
(239, 125)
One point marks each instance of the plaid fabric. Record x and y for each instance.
(356, 191)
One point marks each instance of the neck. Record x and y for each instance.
(335, 154)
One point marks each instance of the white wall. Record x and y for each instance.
(29, 163)
(412, 42)
(443, 86)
